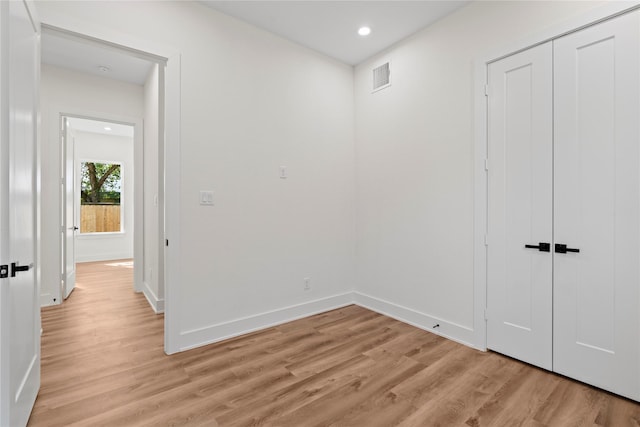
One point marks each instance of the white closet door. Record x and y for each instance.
(519, 293)
(596, 205)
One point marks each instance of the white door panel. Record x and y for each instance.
(70, 222)
(519, 297)
(19, 293)
(596, 205)
(576, 311)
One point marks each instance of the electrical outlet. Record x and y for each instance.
(307, 284)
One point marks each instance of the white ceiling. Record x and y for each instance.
(65, 51)
(330, 27)
(96, 126)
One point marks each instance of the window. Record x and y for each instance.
(100, 190)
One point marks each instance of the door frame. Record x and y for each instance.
(138, 180)
(481, 239)
(168, 149)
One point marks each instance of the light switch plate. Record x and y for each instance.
(206, 198)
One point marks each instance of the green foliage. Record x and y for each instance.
(100, 183)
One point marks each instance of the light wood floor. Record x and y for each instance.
(103, 364)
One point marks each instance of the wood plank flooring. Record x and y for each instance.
(103, 365)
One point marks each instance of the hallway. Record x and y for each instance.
(96, 345)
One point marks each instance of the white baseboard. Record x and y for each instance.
(450, 330)
(46, 300)
(225, 330)
(222, 331)
(157, 304)
(103, 257)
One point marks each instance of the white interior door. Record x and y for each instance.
(19, 299)
(597, 191)
(519, 291)
(69, 202)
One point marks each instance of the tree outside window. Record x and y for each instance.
(100, 192)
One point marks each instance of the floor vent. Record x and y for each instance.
(381, 77)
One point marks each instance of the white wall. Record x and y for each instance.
(152, 284)
(107, 149)
(64, 91)
(250, 103)
(414, 145)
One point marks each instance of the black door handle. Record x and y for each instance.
(542, 247)
(15, 268)
(563, 249)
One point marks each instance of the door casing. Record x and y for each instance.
(169, 155)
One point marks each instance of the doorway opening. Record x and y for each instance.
(161, 124)
(97, 195)
(111, 200)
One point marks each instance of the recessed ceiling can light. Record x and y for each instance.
(104, 68)
(364, 31)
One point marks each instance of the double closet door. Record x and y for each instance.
(563, 271)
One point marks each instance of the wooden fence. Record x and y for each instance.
(99, 218)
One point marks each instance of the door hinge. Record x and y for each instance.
(486, 314)
(486, 90)
(486, 164)
(166, 242)
(486, 240)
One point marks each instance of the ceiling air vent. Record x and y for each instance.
(381, 77)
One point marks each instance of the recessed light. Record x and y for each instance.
(104, 68)
(107, 128)
(364, 31)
